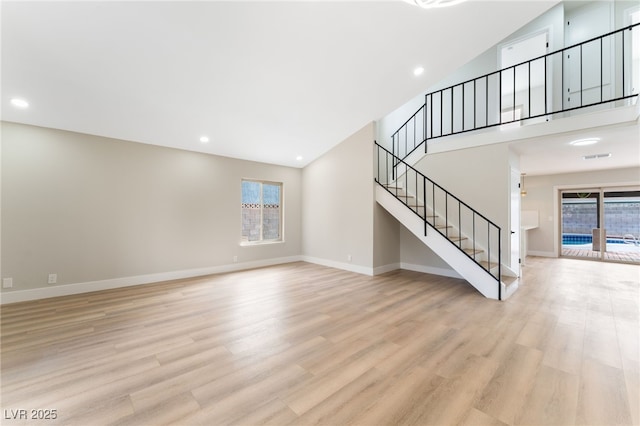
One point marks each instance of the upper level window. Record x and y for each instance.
(261, 211)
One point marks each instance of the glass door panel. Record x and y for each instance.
(581, 224)
(622, 225)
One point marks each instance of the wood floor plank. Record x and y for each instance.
(300, 344)
(602, 398)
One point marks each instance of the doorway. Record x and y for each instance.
(601, 224)
(592, 84)
(523, 86)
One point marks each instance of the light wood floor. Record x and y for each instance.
(304, 344)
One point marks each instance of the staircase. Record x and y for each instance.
(465, 239)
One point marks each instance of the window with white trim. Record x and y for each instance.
(261, 211)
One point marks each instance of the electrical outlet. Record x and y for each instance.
(53, 278)
(7, 282)
(349, 258)
(235, 258)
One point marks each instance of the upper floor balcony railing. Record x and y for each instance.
(599, 71)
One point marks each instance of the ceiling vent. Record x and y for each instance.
(595, 156)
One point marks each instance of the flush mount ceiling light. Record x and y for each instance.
(585, 142)
(418, 71)
(429, 4)
(299, 158)
(19, 103)
(204, 139)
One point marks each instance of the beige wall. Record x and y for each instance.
(542, 196)
(339, 209)
(90, 208)
(386, 235)
(415, 255)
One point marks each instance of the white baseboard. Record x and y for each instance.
(541, 253)
(430, 270)
(365, 270)
(386, 268)
(86, 287)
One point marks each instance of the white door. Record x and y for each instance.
(632, 85)
(587, 69)
(523, 86)
(515, 220)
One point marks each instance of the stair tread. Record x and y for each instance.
(472, 251)
(486, 264)
(507, 281)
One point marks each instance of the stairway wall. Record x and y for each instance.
(480, 177)
(416, 256)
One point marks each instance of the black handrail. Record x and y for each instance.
(462, 97)
(384, 177)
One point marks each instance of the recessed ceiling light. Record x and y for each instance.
(19, 103)
(418, 71)
(585, 142)
(204, 139)
(299, 158)
(428, 4)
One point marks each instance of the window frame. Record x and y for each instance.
(262, 240)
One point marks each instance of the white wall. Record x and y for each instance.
(416, 256)
(542, 193)
(90, 209)
(479, 176)
(386, 240)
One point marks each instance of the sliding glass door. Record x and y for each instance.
(622, 225)
(601, 224)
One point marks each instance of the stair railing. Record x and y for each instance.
(525, 91)
(441, 211)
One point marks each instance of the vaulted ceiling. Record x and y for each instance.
(265, 81)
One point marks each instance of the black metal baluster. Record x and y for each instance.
(486, 99)
(488, 247)
(460, 224)
(499, 277)
(581, 90)
(473, 234)
(546, 108)
(475, 101)
(451, 110)
(529, 87)
(514, 94)
(424, 202)
(500, 97)
(601, 76)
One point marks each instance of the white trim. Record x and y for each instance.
(541, 253)
(365, 270)
(443, 272)
(86, 287)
